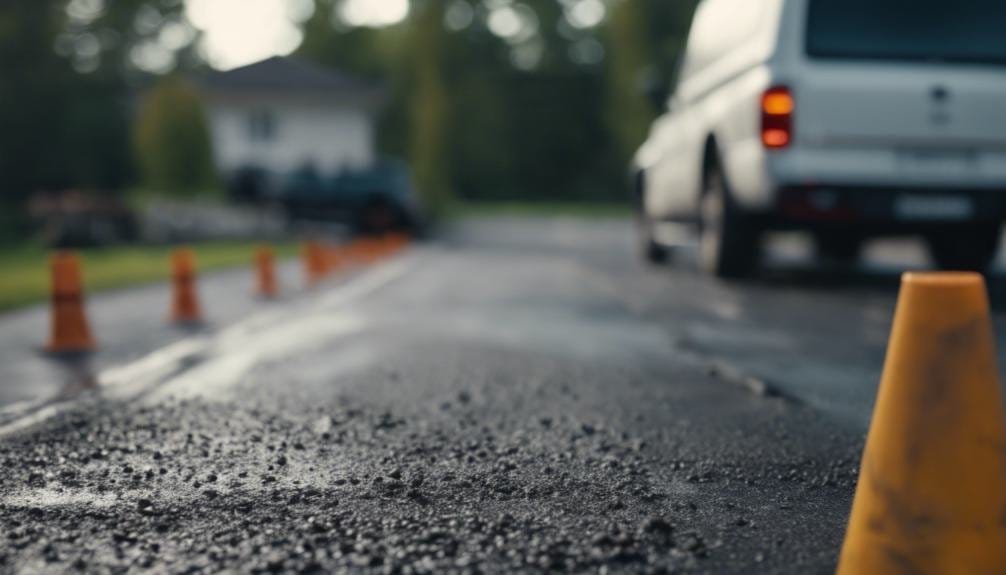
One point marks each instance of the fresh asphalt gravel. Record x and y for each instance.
(524, 397)
(470, 467)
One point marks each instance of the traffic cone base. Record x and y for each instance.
(931, 496)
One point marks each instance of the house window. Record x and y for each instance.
(262, 126)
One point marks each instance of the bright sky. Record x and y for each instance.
(239, 32)
(373, 12)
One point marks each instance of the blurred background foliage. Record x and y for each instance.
(172, 140)
(546, 104)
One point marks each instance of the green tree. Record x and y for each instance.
(368, 52)
(428, 106)
(35, 97)
(65, 107)
(630, 55)
(479, 123)
(172, 140)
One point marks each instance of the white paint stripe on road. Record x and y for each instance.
(231, 359)
(146, 370)
(155, 364)
(230, 353)
(369, 284)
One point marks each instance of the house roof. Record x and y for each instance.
(287, 75)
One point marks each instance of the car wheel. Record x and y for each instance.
(729, 243)
(839, 247)
(651, 251)
(965, 249)
(378, 216)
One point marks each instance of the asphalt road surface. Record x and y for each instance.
(521, 395)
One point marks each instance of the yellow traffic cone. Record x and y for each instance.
(932, 487)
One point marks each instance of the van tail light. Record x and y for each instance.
(777, 106)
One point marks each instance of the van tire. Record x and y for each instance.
(650, 250)
(965, 249)
(729, 242)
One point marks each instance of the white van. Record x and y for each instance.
(846, 118)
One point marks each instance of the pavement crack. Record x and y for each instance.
(724, 371)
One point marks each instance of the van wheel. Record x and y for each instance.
(651, 251)
(843, 248)
(729, 243)
(965, 249)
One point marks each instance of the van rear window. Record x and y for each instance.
(972, 31)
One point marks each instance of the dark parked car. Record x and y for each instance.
(373, 200)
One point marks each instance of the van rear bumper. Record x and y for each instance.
(885, 209)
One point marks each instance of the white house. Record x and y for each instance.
(283, 114)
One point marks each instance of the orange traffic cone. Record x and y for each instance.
(334, 258)
(395, 242)
(931, 496)
(265, 269)
(314, 265)
(352, 252)
(368, 251)
(323, 261)
(69, 330)
(185, 307)
(392, 243)
(378, 247)
(383, 246)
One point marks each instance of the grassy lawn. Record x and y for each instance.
(541, 209)
(24, 270)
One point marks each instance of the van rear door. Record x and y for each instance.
(927, 77)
